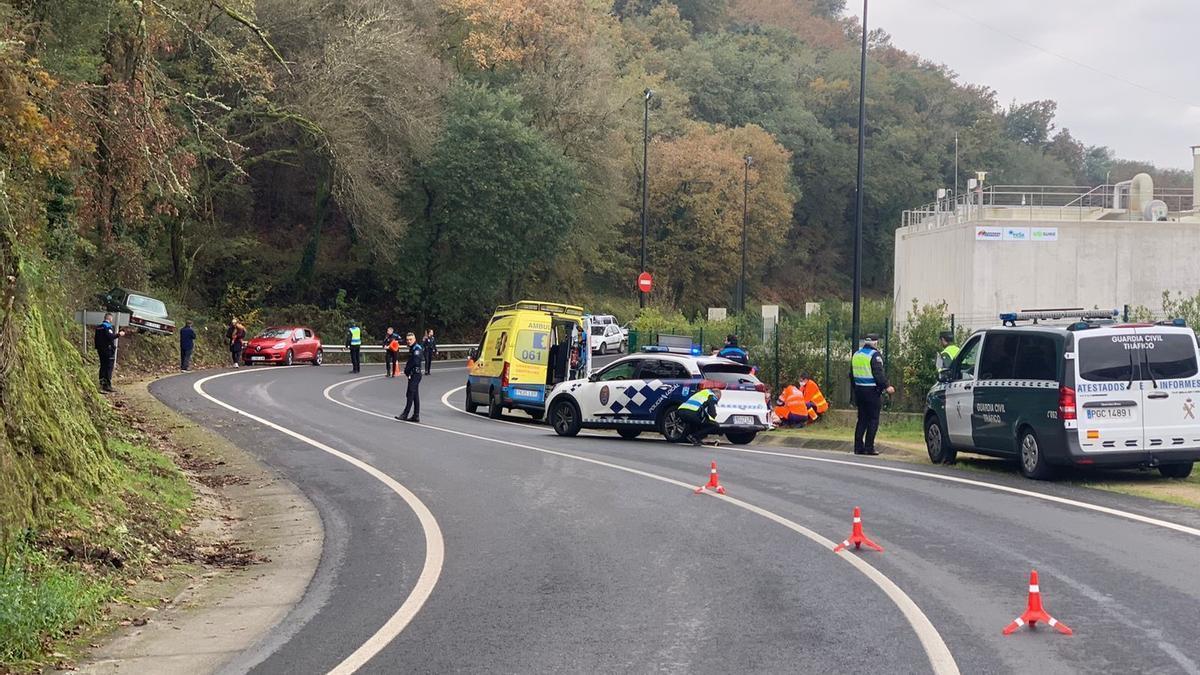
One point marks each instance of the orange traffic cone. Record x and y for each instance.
(714, 482)
(396, 368)
(1035, 613)
(856, 535)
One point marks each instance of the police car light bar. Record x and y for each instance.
(1010, 318)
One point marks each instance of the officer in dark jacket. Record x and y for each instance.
(429, 348)
(733, 352)
(391, 352)
(868, 383)
(412, 370)
(106, 348)
(187, 344)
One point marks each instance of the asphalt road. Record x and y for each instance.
(592, 554)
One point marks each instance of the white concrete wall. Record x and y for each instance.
(1102, 264)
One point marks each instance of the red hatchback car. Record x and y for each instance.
(283, 344)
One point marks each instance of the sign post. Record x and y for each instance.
(645, 282)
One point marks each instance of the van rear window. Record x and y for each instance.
(1142, 356)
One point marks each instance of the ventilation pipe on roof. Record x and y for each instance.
(1141, 192)
(1196, 177)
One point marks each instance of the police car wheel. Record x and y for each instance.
(936, 443)
(494, 408)
(670, 426)
(564, 417)
(1032, 459)
(471, 405)
(629, 434)
(1176, 470)
(288, 358)
(741, 437)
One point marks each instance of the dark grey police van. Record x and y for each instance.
(1088, 393)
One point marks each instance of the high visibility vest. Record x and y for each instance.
(813, 395)
(860, 368)
(951, 351)
(355, 336)
(792, 403)
(696, 401)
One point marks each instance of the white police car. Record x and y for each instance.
(642, 392)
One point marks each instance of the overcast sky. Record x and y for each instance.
(1151, 44)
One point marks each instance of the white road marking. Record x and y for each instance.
(435, 548)
(1136, 517)
(940, 658)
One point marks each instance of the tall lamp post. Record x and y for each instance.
(858, 192)
(745, 220)
(647, 95)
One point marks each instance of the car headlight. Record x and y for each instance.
(279, 345)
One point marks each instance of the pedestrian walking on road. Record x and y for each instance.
(187, 344)
(699, 415)
(869, 382)
(391, 351)
(106, 348)
(236, 333)
(412, 370)
(354, 344)
(429, 347)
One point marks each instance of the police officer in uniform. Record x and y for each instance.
(869, 384)
(949, 350)
(391, 352)
(106, 348)
(699, 415)
(354, 344)
(733, 352)
(412, 370)
(429, 347)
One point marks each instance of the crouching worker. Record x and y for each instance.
(801, 403)
(699, 415)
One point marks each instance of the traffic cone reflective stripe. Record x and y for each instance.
(1034, 612)
(856, 535)
(714, 482)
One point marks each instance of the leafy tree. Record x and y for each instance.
(1030, 123)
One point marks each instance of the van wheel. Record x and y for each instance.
(1176, 470)
(629, 434)
(671, 426)
(471, 405)
(289, 358)
(564, 417)
(937, 444)
(494, 409)
(741, 437)
(1032, 459)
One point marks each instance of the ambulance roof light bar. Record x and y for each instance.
(1011, 318)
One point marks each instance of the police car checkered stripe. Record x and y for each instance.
(1019, 384)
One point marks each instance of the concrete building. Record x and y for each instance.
(1007, 248)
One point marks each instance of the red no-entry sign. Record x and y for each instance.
(645, 282)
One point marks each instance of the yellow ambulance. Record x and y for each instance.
(528, 347)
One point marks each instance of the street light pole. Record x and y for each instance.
(645, 181)
(745, 220)
(858, 192)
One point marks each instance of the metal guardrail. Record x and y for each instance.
(378, 349)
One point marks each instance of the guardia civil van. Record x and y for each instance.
(1089, 393)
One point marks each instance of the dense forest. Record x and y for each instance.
(424, 160)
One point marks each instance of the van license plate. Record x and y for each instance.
(1110, 413)
(745, 420)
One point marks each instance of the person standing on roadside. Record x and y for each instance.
(429, 348)
(869, 382)
(391, 352)
(354, 344)
(106, 348)
(412, 370)
(187, 344)
(236, 334)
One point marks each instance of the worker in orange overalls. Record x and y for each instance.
(801, 403)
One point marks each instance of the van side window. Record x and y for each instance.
(1037, 359)
(999, 352)
(965, 367)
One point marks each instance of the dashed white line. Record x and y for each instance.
(435, 548)
(940, 658)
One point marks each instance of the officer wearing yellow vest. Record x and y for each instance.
(869, 383)
(354, 344)
(699, 415)
(949, 350)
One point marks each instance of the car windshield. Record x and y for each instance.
(145, 305)
(729, 374)
(276, 333)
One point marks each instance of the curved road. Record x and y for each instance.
(540, 554)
